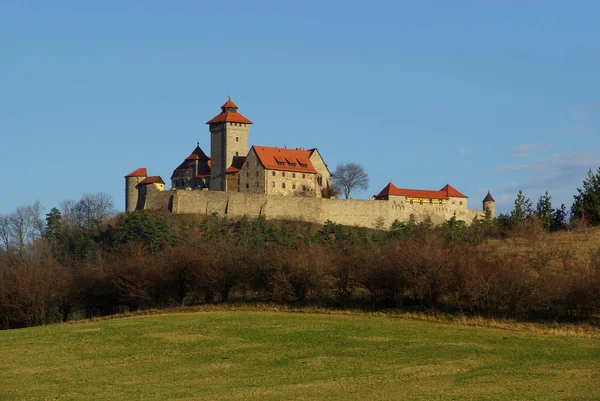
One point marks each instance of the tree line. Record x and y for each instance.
(82, 260)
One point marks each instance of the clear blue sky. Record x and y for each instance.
(479, 95)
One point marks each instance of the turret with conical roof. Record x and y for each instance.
(131, 193)
(228, 140)
(489, 204)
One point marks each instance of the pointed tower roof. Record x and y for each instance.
(229, 114)
(197, 154)
(488, 198)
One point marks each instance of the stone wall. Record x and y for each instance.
(364, 213)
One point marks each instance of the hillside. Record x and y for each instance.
(270, 355)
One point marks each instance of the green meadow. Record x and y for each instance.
(278, 355)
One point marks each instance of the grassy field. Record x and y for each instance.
(269, 355)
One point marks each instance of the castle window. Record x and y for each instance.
(247, 186)
(257, 173)
(292, 164)
(293, 175)
(411, 201)
(431, 201)
(293, 186)
(257, 185)
(303, 165)
(283, 173)
(421, 201)
(237, 153)
(280, 163)
(283, 185)
(247, 174)
(303, 175)
(257, 163)
(460, 203)
(237, 138)
(274, 173)
(454, 202)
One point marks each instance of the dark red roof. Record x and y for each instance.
(197, 154)
(446, 192)
(155, 179)
(292, 159)
(140, 172)
(237, 165)
(488, 198)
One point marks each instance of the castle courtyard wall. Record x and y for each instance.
(352, 212)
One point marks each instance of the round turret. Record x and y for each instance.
(131, 193)
(489, 204)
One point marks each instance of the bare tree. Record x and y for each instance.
(350, 177)
(93, 208)
(5, 235)
(24, 224)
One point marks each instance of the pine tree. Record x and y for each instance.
(586, 205)
(523, 208)
(544, 210)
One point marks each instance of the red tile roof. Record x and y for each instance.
(197, 154)
(446, 192)
(237, 165)
(229, 117)
(229, 114)
(269, 157)
(229, 104)
(140, 172)
(155, 179)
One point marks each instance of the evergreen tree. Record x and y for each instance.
(544, 211)
(523, 208)
(586, 204)
(559, 218)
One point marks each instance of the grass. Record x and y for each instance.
(273, 355)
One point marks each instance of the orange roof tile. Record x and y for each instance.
(140, 172)
(229, 114)
(229, 117)
(452, 192)
(155, 179)
(269, 157)
(229, 104)
(444, 193)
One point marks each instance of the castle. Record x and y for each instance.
(281, 183)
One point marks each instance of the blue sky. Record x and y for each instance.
(482, 96)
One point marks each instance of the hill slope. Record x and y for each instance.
(240, 355)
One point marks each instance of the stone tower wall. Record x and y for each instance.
(227, 140)
(131, 193)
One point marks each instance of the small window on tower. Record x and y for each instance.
(274, 173)
(237, 153)
(283, 185)
(247, 186)
(237, 138)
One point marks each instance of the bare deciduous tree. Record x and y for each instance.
(350, 177)
(93, 208)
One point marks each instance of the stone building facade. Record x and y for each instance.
(280, 183)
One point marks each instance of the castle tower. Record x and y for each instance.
(228, 140)
(489, 204)
(131, 193)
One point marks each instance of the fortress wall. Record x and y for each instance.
(251, 205)
(203, 202)
(154, 199)
(293, 208)
(352, 212)
(365, 213)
